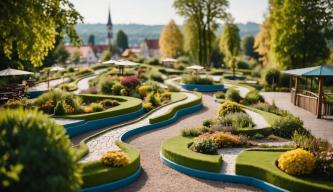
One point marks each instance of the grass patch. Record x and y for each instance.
(95, 173)
(176, 149)
(261, 164)
(127, 105)
(171, 112)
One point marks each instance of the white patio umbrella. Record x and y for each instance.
(13, 72)
(123, 63)
(110, 62)
(55, 68)
(196, 68)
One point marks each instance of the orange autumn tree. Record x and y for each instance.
(171, 40)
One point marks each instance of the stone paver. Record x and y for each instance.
(319, 127)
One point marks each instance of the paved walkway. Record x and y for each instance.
(158, 177)
(318, 127)
(83, 84)
(53, 83)
(258, 120)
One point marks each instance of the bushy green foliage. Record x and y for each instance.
(194, 132)
(153, 61)
(36, 154)
(233, 95)
(271, 109)
(258, 136)
(204, 145)
(97, 107)
(59, 109)
(208, 122)
(237, 120)
(189, 79)
(272, 76)
(84, 71)
(107, 103)
(19, 103)
(253, 97)
(286, 126)
(106, 86)
(157, 77)
(220, 95)
(116, 88)
(229, 107)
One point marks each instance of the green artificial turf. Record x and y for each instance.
(95, 173)
(171, 112)
(127, 105)
(176, 149)
(261, 164)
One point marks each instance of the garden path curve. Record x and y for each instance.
(83, 84)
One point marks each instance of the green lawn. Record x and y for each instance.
(176, 149)
(261, 164)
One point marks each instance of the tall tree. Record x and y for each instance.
(248, 47)
(29, 28)
(205, 14)
(171, 40)
(300, 30)
(106, 55)
(91, 40)
(191, 39)
(75, 57)
(122, 40)
(262, 42)
(230, 45)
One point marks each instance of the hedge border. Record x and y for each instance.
(176, 149)
(264, 168)
(83, 149)
(221, 177)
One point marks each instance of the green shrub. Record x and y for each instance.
(15, 104)
(243, 65)
(116, 88)
(84, 71)
(226, 139)
(59, 109)
(109, 103)
(157, 77)
(272, 76)
(204, 145)
(194, 132)
(153, 99)
(258, 136)
(190, 79)
(229, 107)
(148, 106)
(220, 95)
(106, 86)
(144, 90)
(36, 154)
(97, 107)
(233, 95)
(237, 120)
(209, 122)
(286, 126)
(153, 61)
(70, 69)
(253, 97)
(173, 88)
(310, 143)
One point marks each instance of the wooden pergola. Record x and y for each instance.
(308, 100)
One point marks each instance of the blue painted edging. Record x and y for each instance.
(78, 128)
(222, 177)
(128, 134)
(114, 185)
(149, 127)
(203, 88)
(34, 94)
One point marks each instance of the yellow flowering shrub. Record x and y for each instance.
(144, 90)
(115, 159)
(226, 139)
(297, 162)
(229, 107)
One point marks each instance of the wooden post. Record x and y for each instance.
(320, 97)
(296, 90)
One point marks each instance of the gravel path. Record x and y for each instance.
(53, 83)
(83, 84)
(258, 120)
(106, 141)
(158, 177)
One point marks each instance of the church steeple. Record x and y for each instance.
(109, 29)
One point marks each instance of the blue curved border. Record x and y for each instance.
(81, 127)
(133, 132)
(35, 93)
(114, 185)
(203, 88)
(222, 177)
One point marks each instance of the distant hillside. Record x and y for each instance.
(137, 33)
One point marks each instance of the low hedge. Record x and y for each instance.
(261, 164)
(95, 173)
(251, 132)
(171, 112)
(176, 149)
(127, 105)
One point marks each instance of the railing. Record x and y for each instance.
(328, 105)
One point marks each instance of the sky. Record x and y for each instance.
(151, 12)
